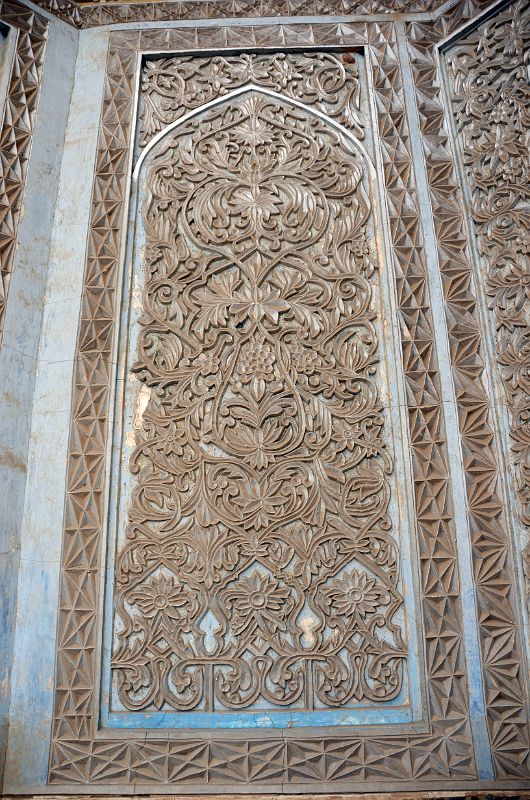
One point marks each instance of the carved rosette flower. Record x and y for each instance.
(354, 595)
(162, 597)
(258, 601)
(207, 364)
(257, 304)
(253, 132)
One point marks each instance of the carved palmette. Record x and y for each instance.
(259, 568)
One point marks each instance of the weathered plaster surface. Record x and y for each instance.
(18, 356)
(58, 303)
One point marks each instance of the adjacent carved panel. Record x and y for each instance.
(478, 106)
(491, 100)
(261, 500)
(17, 130)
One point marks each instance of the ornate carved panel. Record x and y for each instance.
(260, 506)
(214, 422)
(491, 98)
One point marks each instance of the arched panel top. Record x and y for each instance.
(239, 93)
(258, 510)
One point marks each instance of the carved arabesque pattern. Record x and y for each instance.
(261, 493)
(173, 86)
(17, 130)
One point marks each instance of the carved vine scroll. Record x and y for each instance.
(259, 564)
(325, 81)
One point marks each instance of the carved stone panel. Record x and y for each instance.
(259, 568)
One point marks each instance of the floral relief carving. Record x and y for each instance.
(173, 86)
(261, 492)
(81, 753)
(491, 99)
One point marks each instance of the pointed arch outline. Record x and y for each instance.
(239, 92)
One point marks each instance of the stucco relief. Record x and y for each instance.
(261, 497)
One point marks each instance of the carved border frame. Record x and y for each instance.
(80, 754)
(88, 14)
(92, 14)
(18, 120)
(499, 612)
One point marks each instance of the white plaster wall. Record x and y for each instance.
(42, 521)
(18, 354)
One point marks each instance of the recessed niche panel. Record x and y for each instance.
(261, 559)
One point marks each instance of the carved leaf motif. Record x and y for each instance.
(262, 470)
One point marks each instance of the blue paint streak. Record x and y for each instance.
(257, 719)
